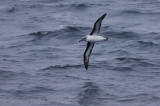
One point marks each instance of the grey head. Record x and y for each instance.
(83, 39)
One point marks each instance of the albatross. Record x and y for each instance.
(91, 39)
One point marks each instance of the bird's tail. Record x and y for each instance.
(106, 38)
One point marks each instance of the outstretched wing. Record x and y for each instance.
(87, 53)
(97, 25)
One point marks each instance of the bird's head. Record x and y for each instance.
(83, 39)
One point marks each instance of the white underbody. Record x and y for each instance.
(95, 38)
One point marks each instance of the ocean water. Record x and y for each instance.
(41, 60)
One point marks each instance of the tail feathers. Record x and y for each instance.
(106, 38)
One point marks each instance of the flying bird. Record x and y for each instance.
(92, 38)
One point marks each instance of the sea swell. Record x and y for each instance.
(41, 60)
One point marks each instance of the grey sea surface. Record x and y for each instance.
(41, 60)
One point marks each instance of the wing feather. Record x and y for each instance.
(97, 25)
(87, 54)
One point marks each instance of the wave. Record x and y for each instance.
(140, 12)
(129, 59)
(122, 69)
(7, 74)
(70, 29)
(62, 67)
(41, 34)
(61, 30)
(131, 11)
(123, 34)
(147, 43)
(73, 6)
(11, 10)
(74, 77)
(137, 61)
(139, 96)
(67, 33)
(64, 32)
(67, 66)
(50, 1)
(79, 6)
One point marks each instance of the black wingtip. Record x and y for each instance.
(104, 15)
(86, 67)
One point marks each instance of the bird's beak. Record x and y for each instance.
(81, 40)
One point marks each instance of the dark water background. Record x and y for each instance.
(41, 62)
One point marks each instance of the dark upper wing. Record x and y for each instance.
(97, 25)
(87, 54)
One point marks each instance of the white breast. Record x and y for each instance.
(95, 38)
